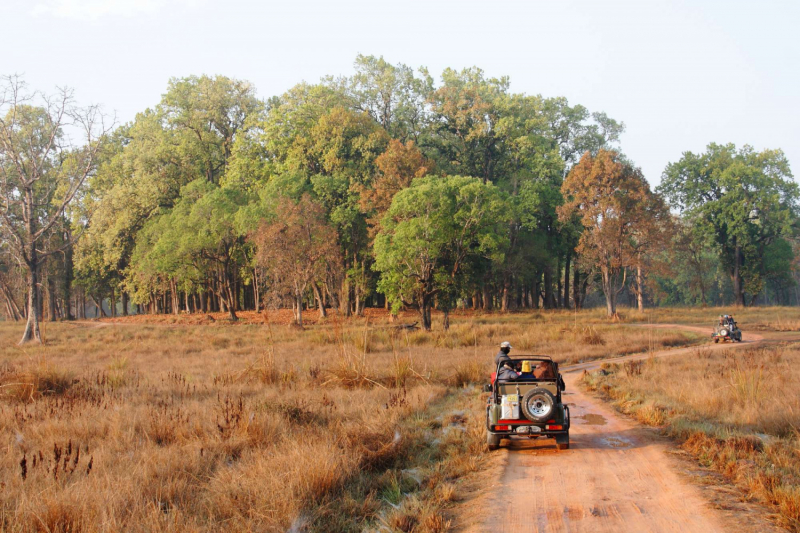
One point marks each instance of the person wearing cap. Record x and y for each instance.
(506, 373)
(505, 349)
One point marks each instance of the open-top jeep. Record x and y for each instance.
(727, 331)
(529, 406)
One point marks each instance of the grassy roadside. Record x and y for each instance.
(437, 448)
(737, 412)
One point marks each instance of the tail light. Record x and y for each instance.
(501, 428)
(553, 427)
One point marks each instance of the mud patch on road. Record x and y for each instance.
(592, 419)
(617, 442)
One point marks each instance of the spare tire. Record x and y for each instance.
(538, 405)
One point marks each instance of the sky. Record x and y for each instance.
(680, 74)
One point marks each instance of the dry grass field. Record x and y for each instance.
(735, 410)
(191, 423)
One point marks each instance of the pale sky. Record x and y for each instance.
(680, 74)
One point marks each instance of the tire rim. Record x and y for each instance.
(539, 406)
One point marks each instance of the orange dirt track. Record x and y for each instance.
(616, 477)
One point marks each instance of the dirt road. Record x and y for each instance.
(616, 477)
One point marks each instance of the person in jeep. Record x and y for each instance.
(505, 349)
(506, 373)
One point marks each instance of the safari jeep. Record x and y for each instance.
(530, 406)
(727, 332)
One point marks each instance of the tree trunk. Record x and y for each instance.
(228, 293)
(504, 295)
(344, 297)
(639, 288)
(559, 288)
(487, 298)
(32, 333)
(51, 297)
(298, 309)
(124, 303)
(446, 319)
(736, 276)
(549, 298)
(98, 308)
(14, 310)
(69, 276)
(318, 298)
(567, 260)
(256, 291)
(610, 294)
(175, 300)
(425, 312)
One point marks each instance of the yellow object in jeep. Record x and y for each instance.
(526, 367)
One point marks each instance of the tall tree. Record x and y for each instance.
(396, 167)
(41, 172)
(297, 250)
(189, 135)
(391, 94)
(745, 200)
(430, 233)
(613, 201)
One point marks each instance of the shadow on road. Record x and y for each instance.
(612, 441)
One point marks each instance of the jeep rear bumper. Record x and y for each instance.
(526, 428)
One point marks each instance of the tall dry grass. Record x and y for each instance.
(735, 410)
(257, 426)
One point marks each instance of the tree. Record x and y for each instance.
(210, 112)
(615, 206)
(397, 167)
(745, 200)
(430, 232)
(297, 249)
(189, 135)
(693, 262)
(392, 95)
(199, 238)
(41, 172)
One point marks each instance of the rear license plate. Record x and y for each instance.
(535, 429)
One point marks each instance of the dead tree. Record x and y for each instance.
(41, 172)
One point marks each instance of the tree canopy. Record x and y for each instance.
(386, 187)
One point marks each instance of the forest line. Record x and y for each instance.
(382, 188)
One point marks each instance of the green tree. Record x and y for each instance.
(391, 94)
(430, 232)
(190, 134)
(745, 200)
(198, 241)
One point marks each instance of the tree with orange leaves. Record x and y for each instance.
(298, 249)
(397, 167)
(622, 219)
